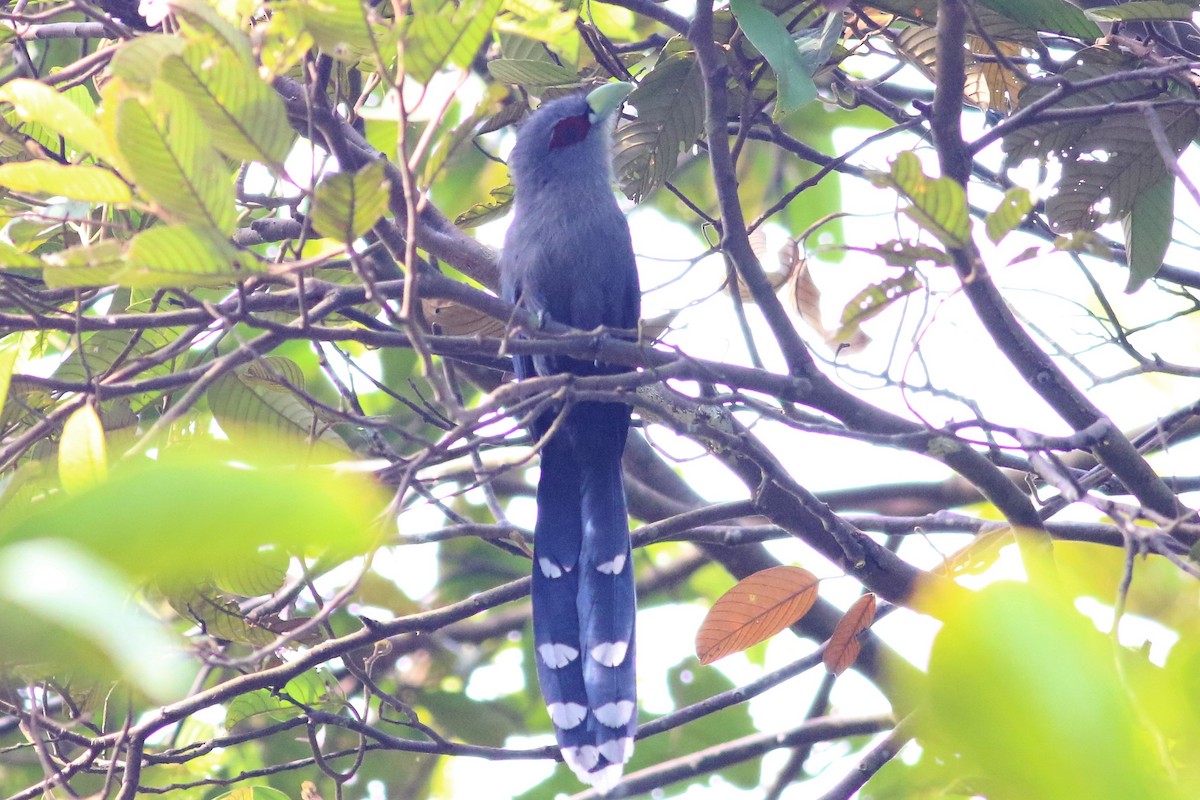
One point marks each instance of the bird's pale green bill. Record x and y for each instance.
(604, 100)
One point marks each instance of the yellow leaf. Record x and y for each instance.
(76, 181)
(82, 459)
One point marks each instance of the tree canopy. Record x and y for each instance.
(918, 346)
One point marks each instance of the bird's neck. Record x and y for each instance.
(573, 196)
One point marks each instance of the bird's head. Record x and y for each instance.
(566, 141)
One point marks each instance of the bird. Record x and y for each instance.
(568, 256)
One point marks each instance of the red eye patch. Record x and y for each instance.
(569, 131)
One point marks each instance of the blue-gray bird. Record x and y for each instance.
(568, 257)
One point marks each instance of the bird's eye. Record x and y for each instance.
(569, 131)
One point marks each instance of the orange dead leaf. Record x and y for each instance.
(754, 610)
(843, 647)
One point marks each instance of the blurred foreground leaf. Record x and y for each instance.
(63, 609)
(1027, 692)
(71, 565)
(186, 516)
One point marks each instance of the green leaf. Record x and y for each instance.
(84, 265)
(24, 402)
(198, 510)
(816, 43)
(171, 159)
(995, 26)
(38, 103)
(543, 21)
(906, 253)
(62, 607)
(670, 104)
(10, 350)
(18, 132)
(311, 688)
(283, 39)
(872, 301)
(1054, 16)
(530, 72)
(1144, 10)
(499, 200)
(183, 255)
(265, 574)
(1088, 242)
(1014, 657)
(218, 615)
(444, 165)
(448, 36)
(260, 703)
(1009, 214)
(348, 204)
(339, 27)
(519, 47)
(82, 455)
(939, 205)
(244, 116)
(1148, 229)
(485, 722)
(275, 372)
(261, 399)
(1059, 137)
(103, 350)
(204, 17)
(691, 683)
(78, 182)
(12, 258)
(308, 688)
(1092, 192)
(929, 777)
(139, 61)
(771, 38)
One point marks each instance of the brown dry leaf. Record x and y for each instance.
(806, 298)
(989, 84)
(652, 329)
(806, 295)
(754, 610)
(842, 650)
(917, 44)
(776, 277)
(758, 243)
(455, 319)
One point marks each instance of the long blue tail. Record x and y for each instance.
(583, 592)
